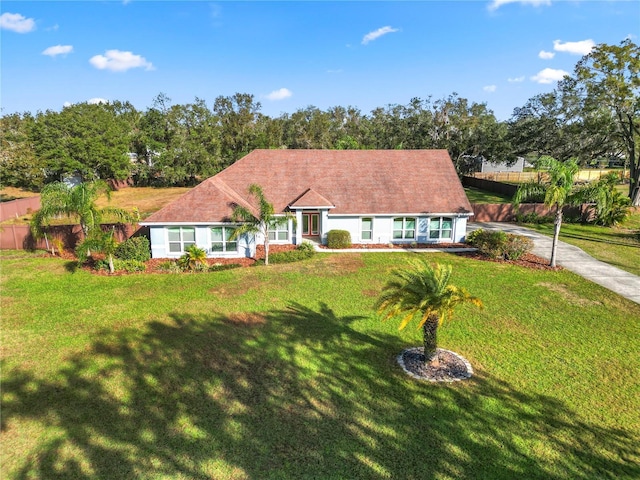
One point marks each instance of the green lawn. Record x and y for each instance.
(284, 372)
(475, 195)
(618, 246)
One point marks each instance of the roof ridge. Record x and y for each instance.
(231, 193)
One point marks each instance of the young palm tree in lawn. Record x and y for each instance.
(422, 293)
(98, 241)
(258, 222)
(59, 199)
(559, 191)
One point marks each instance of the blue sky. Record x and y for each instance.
(291, 55)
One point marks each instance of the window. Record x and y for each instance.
(221, 240)
(280, 231)
(441, 228)
(366, 232)
(404, 228)
(181, 238)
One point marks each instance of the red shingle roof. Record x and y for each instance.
(354, 181)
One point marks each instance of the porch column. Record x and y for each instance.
(324, 225)
(297, 237)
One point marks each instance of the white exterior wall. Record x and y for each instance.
(382, 233)
(160, 243)
(383, 228)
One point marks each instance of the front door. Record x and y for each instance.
(310, 224)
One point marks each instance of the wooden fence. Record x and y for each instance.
(505, 212)
(19, 237)
(19, 207)
(586, 175)
(506, 189)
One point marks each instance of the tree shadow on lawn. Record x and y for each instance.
(624, 239)
(297, 393)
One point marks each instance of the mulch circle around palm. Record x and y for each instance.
(450, 367)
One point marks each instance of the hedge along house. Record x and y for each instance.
(379, 196)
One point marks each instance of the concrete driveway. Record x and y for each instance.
(574, 259)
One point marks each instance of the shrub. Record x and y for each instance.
(302, 252)
(338, 239)
(306, 247)
(170, 266)
(616, 210)
(498, 244)
(129, 266)
(134, 248)
(58, 245)
(193, 257)
(218, 267)
(516, 246)
(489, 242)
(534, 218)
(471, 236)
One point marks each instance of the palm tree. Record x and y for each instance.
(98, 241)
(257, 222)
(193, 257)
(422, 292)
(559, 191)
(59, 199)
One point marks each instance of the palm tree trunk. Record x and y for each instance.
(556, 234)
(266, 249)
(111, 267)
(430, 338)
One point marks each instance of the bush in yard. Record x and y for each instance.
(498, 244)
(302, 252)
(134, 248)
(533, 218)
(219, 267)
(516, 246)
(170, 266)
(338, 239)
(488, 242)
(129, 266)
(471, 236)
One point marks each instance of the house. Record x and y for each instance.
(497, 167)
(379, 196)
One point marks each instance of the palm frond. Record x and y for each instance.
(419, 291)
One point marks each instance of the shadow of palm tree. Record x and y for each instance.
(622, 239)
(293, 393)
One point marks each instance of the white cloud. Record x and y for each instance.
(67, 104)
(118, 61)
(516, 79)
(371, 36)
(549, 75)
(279, 94)
(490, 88)
(57, 50)
(496, 4)
(17, 23)
(582, 47)
(546, 55)
(97, 101)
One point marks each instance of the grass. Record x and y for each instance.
(476, 195)
(146, 199)
(12, 193)
(618, 246)
(285, 372)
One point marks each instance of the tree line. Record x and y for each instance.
(592, 115)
